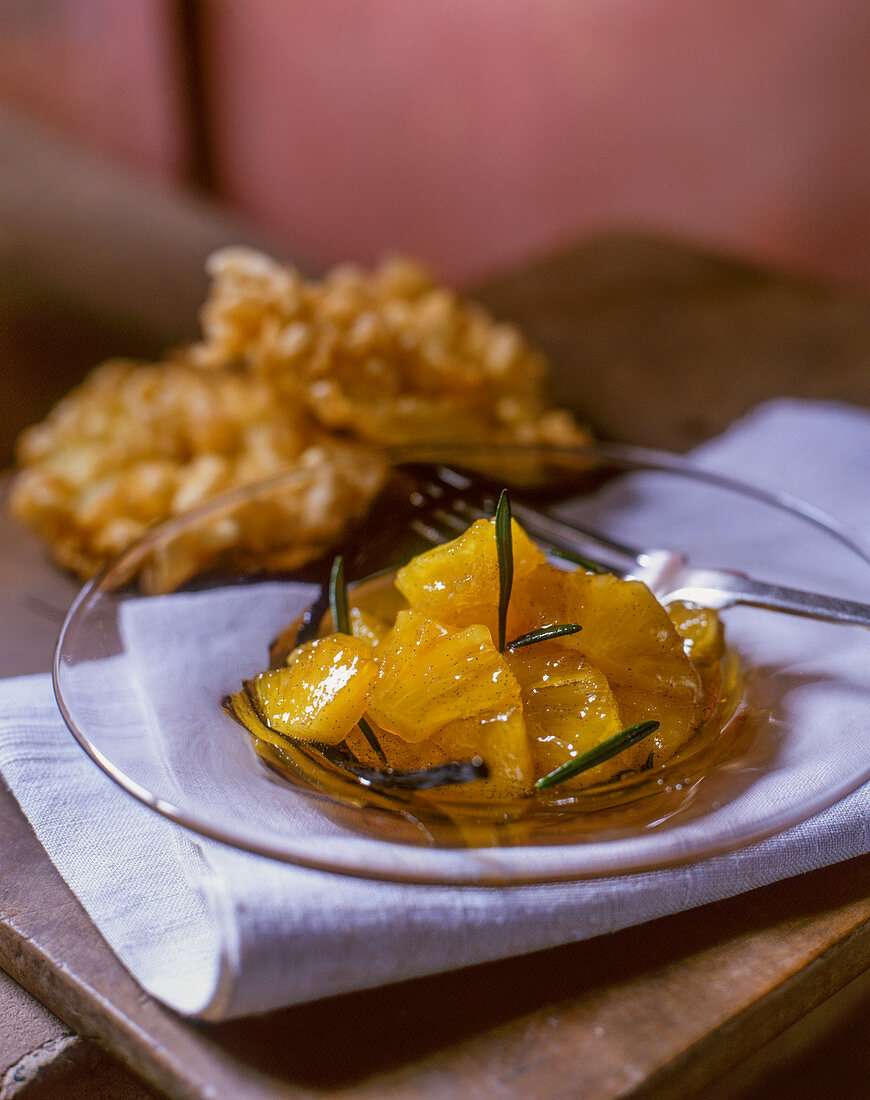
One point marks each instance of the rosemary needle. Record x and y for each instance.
(544, 634)
(614, 745)
(338, 597)
(505, 552)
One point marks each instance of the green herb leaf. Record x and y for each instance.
(613, 746)
(338, 597)
(544, 634)
(504, 546)
(341, 621)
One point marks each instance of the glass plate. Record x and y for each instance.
(140, 679)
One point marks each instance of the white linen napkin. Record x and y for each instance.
(215, 932)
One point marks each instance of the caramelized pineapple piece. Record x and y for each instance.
(701, 631)
(321, 694)
(458, 582)
(397, 753)
(368, 627)
(430, 676)
(628, 636)
(679, 715)
(501, 740)
(569, 708)
(626, 632)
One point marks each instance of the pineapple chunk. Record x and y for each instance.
(321, 694)
(458, 583)
(430, 676)
(701, 631)
(502, 741)
(625, 630)
(398, 754)
(368, 627)
(627, 635)
(569, 708)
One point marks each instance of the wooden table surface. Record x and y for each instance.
(655, 344)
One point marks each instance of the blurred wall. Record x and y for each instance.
(104, 71)
(474, 133)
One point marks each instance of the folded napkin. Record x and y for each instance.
(215, 932)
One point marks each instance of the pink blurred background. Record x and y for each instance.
(474, 133)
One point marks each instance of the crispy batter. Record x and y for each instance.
(289, 373)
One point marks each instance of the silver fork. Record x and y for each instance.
(448, 501)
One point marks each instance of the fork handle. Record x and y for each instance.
(719, 588)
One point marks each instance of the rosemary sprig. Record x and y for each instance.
(505, 552)
(544, 634)
(341, 621)
(613, 746)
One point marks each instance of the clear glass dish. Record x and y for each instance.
(140, 679)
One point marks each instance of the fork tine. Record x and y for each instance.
(444, 514)
(449, 526)
(449, 501)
